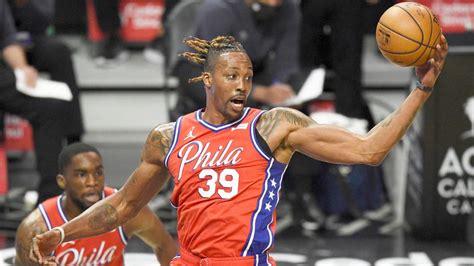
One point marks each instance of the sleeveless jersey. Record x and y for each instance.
(226, 187)
(105, 249)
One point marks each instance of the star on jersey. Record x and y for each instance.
(268, 207)
(190, 134)
(274, 184)
(272, 194)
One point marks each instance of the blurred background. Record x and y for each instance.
(414, 209)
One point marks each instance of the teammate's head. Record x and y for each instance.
(81, 174)
(227, 73)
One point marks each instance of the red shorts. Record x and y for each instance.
(188, 259)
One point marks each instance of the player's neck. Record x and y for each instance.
(212, 116)
(70, 209)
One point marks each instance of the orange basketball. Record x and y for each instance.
(407, 34)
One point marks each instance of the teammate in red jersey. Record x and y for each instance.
(227, 161)
(82, 178)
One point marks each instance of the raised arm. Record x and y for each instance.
(287, 130)
(32, 225)
(107, 214)
(148, 227)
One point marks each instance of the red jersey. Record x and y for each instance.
(105, 249)
(226, 187)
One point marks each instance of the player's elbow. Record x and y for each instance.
(127, 208)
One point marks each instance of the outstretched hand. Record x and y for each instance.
(428, 72)
(43, 245)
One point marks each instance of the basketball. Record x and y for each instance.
(407, 34)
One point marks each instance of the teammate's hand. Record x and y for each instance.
(43, 245)
(428, 73)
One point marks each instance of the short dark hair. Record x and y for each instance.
(72, 150)
(208, 51)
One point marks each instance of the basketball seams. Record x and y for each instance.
(401, 35)
(429, 39)
(417, 24)
(408, 20)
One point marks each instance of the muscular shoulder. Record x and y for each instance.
(159, 140)
(275, 125)
(282, 119)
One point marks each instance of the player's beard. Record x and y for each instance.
(81, 204)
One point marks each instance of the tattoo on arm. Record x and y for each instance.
(161, 137)
(272, 119)
(104, 217)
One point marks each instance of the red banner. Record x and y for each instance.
(18, 134)
(456, 16)
(3, 170)
(141, 20)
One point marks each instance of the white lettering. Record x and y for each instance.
(450, 164)
(197, 153)
(449, 188)
(456, 206)
(467, 157)
(72, 256)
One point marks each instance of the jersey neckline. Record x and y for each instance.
(222, 126)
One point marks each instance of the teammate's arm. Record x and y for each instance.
(287, 130)
(107, 214)
(148, 227)
(32, 225)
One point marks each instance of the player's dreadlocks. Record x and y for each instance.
(208, 51)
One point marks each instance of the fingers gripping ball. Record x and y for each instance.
(407, 34)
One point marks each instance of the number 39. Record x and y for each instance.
(233, 183)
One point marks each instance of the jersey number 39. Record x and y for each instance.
(228, 178)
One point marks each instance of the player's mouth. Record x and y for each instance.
(238, 103)
(92, 197)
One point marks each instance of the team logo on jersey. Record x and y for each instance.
(190, 134)
(203, 157)
(98, 256)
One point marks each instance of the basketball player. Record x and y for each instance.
(82, 178)
(227, 161)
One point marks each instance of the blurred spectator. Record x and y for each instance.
(343, 21)
(268, 29)
(44, 114)
(113, 48)
(46, 53)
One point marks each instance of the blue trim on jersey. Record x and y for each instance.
(45, 216)
(177, 128)
(123, 236)
(216, 128)
(260, 234)
(253, 135)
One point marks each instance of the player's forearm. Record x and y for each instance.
(102, 217)
(386, 134)
(166, 251)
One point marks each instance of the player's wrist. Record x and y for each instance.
(62, 235)
(422, 87)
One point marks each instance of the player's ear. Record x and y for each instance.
(207, 79)
(61, 180)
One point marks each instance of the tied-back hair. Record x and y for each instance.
(208, 51)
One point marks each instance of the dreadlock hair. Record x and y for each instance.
(72, 150)
(209, 51)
